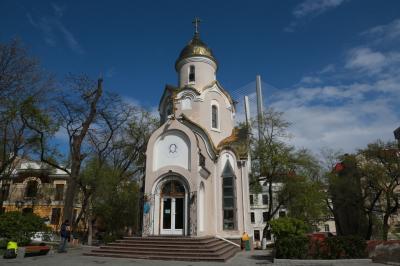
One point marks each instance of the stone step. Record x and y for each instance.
(168, 248)
(169, 243)
(166, 238)
(155, 257)
(217, 250)
(199, 248)
(172, 241)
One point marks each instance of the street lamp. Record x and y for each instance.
(19, 204)
(396, 133)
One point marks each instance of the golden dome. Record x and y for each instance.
(195, 47)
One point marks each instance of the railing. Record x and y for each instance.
(226, 240)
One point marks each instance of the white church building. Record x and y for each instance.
(196, 179)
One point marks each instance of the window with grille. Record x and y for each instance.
(265, 199)
(228, 197)
(326, 227)
(59, 192)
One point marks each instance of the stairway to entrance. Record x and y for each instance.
(168, 248)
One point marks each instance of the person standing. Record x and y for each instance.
(65, 234)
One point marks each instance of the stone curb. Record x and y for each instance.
(392, 263)
(321, 262)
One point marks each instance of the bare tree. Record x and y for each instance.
(23, 84)
(76, 111)
(121, 151)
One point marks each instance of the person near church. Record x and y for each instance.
(245, 241)
(65, 234)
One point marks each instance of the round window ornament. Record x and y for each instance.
(173, 150)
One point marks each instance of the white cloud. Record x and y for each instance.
(58, 10)
(310, 9)
(356, 102)
(310, 80)
(367, 60)
(52, 27)
(340, 117)
(153, 110)
(384, 33)
(315, 7)
(328, 69)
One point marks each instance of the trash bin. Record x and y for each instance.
(11, 251)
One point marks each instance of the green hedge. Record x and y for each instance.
(338, 247)
(290, 239)
(20, 227)
(345, 247)
(293, 247)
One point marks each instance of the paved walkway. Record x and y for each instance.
(74, 257)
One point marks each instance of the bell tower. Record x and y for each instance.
(196, 65)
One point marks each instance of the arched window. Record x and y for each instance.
(214, 116)
(192, 76)
(31, 189)
(228, 197)
(173, 188)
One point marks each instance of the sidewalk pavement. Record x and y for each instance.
(251, 258)
(74, 257)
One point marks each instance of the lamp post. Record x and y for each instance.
(396, 133)
(19, 204)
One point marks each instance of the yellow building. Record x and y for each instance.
(36, 187)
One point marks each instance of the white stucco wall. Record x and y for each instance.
(172, 148)
(204, 72)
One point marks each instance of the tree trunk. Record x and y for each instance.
(369, 229)
(70, 193)
(385, 227)
(90, 235)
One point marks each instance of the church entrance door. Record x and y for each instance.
(172, 208)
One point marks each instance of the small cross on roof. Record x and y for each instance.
(196, 23)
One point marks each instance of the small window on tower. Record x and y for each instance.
(214, 116)
(192, 76)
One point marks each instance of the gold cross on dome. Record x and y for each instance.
(196, 23)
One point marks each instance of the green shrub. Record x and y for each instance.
(290, 239)
(349, 247)
(287, 227)
(293, 247)
(3, 243)
(20, 227)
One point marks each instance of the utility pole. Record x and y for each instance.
(247, 110)
(247, 114)
(260, 108)
(260, 120)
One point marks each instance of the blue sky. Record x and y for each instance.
(331, 65)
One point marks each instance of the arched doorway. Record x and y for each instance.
(173, 208)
